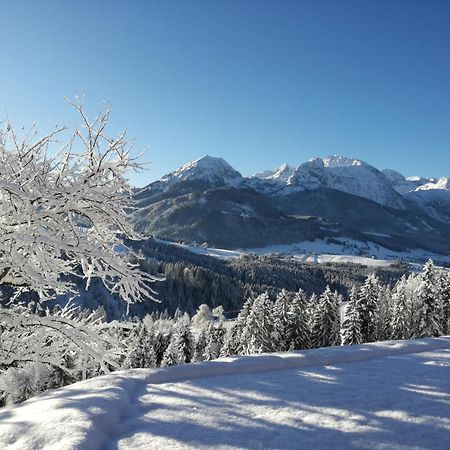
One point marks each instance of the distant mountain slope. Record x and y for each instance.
(223, 217)
(209, 201)
(431, 195)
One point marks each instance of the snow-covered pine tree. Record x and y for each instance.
(444, 294)
(200, 345)
(368, 297)
(215, 339)
(238, 338)
(401, 311)
(383, 314)
(178, 314)
(327, 320)
(140, 353)
(259, 328)
(312, 307)
(298, 333)
(351, 326)
(281, 321)
(172, 356)
(429, 302)
(184, 340)
(162, 339)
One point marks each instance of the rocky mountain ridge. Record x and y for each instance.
(208, 201)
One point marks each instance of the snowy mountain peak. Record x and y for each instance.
(341, 173)
(281, 173)
(206, 168)
(342, 161)
(441, 184)
(349, 175)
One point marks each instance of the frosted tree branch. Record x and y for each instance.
(64, 213)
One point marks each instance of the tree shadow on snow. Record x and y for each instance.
(360, 405)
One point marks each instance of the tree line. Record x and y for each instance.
(40, 352)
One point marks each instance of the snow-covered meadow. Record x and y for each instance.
(341, 250)
(392, 395)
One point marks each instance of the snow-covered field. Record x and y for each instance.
(323, 251)
(391, 395)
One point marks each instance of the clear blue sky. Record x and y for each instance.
(256, 82)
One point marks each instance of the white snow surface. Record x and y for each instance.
(387, 395)
(323, 251)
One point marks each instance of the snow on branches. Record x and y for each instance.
(63, 213)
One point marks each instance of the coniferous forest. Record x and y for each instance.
(52, 348)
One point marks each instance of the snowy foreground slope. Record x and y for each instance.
(391, 395)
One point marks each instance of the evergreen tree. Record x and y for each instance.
(298, 335)
(239, 333)
(444, 293)
(312, 308)
(259, 327)
(182, 335)
(401, 312)
(178, 314)
(200, 345)
(231, 342)
(281, 321)
(161, 342)
(352, 321)
(141, 353)
(367, 305)
(429, 303)
(326, 327)
(383, 314)
(172, 356)
(215, 340)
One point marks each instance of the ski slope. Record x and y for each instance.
(391, 395)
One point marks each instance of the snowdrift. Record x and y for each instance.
(85, 415)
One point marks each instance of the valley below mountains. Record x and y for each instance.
(209, 203)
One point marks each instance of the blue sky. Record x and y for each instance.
(256, 82)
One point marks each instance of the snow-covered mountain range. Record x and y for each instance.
(352, 176)
(279, 206)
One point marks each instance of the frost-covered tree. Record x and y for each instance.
(259, 327)
(18, 384)
(351, 326)
(326, 324)
(368, 297)
(182, 335)
(401, 312)
(140, 352)
(281, 321)
(172, 355)
(214, 341)
(161, 330)
(202, 317)
(429, 302)
(312, 306)
(444, 293)
(63, 211)
(298, 335)
(78, 346)
(239, 334)
(383, 314)
(200, 345)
